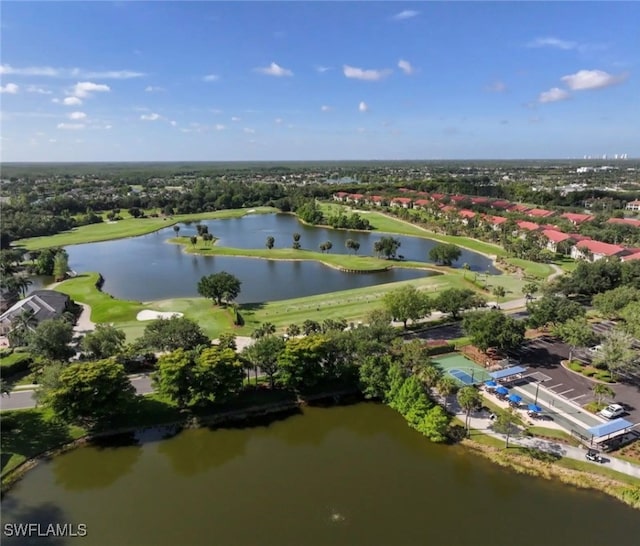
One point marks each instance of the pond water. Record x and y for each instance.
(148, 268)
(354, 475)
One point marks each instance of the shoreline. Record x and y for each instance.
(514, 461)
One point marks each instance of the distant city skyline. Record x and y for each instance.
(262, 81)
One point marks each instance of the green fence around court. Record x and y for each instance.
(462, 363)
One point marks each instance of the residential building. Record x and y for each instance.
(41, 305)
(576, 218)
(404, 202)
(633, 205)
(624, 221)
(554, 237)
(595, 250)
(539, 213)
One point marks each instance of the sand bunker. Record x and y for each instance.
(147, 314)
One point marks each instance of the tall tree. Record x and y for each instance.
(493, 329)
(387, 246)
(264, 354)
(444, 254)
(506, 423)
(406, 303)
(435, 424)
(176, 229)
(455, 300)
(469, 399)
(270, 242)
(601, 391)
(373, 375)
(50, 340)
(551, 309)
(105, 341)
(300, 364)
(219, 287)
(576, 332)
(173, 333)
(616, 353)
(499, 292)
(296, 241)
(446, 387)
(91, 393)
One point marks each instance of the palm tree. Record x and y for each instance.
(176, 228)
(193, 239)
(499, 292)
(469, 399)
(21, 324)
(429, 375)
(601, 391)
(446, 387)
(270, 242)
(296, 241)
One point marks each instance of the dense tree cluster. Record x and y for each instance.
(340, 220)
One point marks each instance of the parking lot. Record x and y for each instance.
(543, 356)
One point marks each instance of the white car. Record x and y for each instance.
(612, 411)
(595, 349)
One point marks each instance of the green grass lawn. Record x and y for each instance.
(27, 433)
(13, 358)
(533, 269)
(128, 227)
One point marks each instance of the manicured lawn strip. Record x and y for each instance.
(554, 433)
(104, 307)
(13, 359)
(591, 468)
(542, 271)
(129, 227)
(27, 433)
(212, 319)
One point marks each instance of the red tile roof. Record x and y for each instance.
(479, 200)
(376, 198)
(402, 200)
(540, 213)
(498, 220)
(635, 256)
(447, 208)
(501, 204)
(555, 236)
(458, 198)
(465, 213)
(578, 237)
(529, 226)
(636, 203)
(577, 218)
(422, 202)
(624, 221)
(341, 194)
(355, 196)
(597, 247)
(520, 208)
(437, 196)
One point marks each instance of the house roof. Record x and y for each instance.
(376, 198)
(496, 219)
(401, 200)
(458, 198)
(520, 208)
(465, 213)
(540, 213)
(341, 194)
(479, 200)
(437, 196)
(529, 226)
(635, 256)
(577, 218)
(356, 195)
(501, 204)
(637, 203)
(555, 236)
(422, 202)
(624, 221)
(448, 208)
(597, 247)
(578, 237)
(43, 304)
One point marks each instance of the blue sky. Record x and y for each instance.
(165, 81)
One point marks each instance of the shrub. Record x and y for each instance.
(575, 366)
(15, 363)
(604, 376)
(589, 372)
(440, 349)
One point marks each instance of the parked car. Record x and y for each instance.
(595, 349)
(612, 411)
(594, 457)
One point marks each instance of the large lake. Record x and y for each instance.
(148, 268)
(347, 476)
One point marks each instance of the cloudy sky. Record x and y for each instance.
(147, 81)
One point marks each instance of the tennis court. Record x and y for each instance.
(462, 369)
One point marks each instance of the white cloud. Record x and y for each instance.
(219, 127)
(153, 89)
(406, 14)
(322, 69)
(278, 120)
(150, 117)
(39, 90)
(554, 94)
(552, 42)
(77, 115)
(235, 118)
(249, 131)
(52, 140)
(497, 87)
(211, 78)
(84, 89)
(326, 108)
(274, 70)
(173, 123)
(108, 75)
(71, 101)
(367, 75)
(29, 71)
(69, 72)
(591, 79)
(363, 107)
(405, 66)
(10, 88)
(71, 126)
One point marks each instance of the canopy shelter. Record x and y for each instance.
(490, 384)
(502, 390)
(533, 408)
(515, 399)
(508, 374)
(607, 431)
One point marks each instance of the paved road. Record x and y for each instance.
(24, 399)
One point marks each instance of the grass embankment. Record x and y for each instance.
(544, 465)
(389, 224)
(127, 227)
